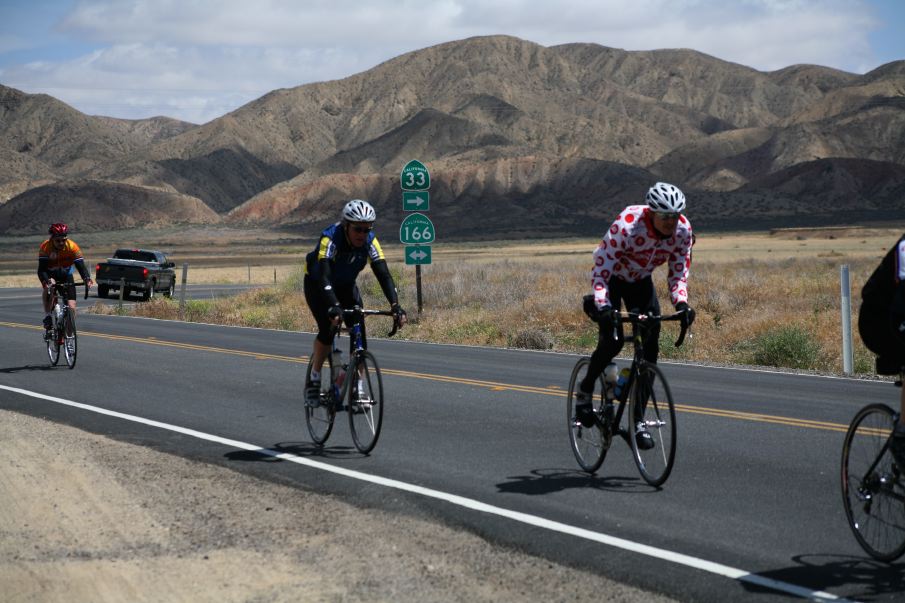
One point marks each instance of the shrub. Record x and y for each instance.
(531, 339)
(785, 346)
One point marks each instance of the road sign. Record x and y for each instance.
(417, 229)
(415, 255)
(416, 200)
(415, 177)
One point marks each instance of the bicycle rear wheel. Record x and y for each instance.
(651, 404)
(589, 444)
(873, 487)
(320, 417)
(365, 401)
(70, 339)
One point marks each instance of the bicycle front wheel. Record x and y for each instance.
(70, 339)
(53, 346)
(365, 401)
(653, 410)
(873, 490)
(589, 444)
(319, 416)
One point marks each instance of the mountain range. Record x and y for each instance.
(520, 140)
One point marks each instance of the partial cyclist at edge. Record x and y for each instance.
(56, 258)
(642, 238)
(881, 324)
(331, 269)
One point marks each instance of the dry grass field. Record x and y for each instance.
(762, 299)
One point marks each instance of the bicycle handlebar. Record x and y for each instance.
(637, 317)
(62, 286)
(358, 311)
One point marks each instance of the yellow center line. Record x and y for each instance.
(492, 385)
(172, 344)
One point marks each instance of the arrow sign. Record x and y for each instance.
(416, 201)
(417, 254)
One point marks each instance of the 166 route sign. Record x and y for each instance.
(417, 229)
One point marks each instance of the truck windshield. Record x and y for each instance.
(129, 254)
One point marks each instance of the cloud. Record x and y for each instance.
(9, 42)
(196, 59)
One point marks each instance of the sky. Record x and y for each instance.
(197, 60)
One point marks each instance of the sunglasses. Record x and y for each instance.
(362, 229)
(58, 239)
(668, 215)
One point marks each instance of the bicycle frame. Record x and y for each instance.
(873, 482)
(362, 388)
(641, 323)
(62, 331)
(356, 341)
(650, 430)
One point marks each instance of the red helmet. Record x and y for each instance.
(58, 230)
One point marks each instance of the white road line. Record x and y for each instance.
(468, 503)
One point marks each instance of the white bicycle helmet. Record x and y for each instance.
(666, 198)
(357, 210)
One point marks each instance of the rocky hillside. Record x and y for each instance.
(92, 205)
(557, 137)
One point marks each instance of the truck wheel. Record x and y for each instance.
(170, 290)
(126, 292)
(102, 290)
(149, 292)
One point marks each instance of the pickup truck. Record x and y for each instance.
(142, 270)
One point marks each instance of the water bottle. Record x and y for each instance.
(610, 374)
(621, 380)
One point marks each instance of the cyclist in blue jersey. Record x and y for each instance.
(344, 249)
(881, 324)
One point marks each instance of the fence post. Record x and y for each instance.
(847, 352)
(122, 289)
(185, 272)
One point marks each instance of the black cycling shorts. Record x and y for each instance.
(877, 327)
(64, 276)
(348, 296)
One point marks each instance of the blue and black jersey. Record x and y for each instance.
(334, 262)
(345, 261)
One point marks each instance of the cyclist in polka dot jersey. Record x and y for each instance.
(642, 238)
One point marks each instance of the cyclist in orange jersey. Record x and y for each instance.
(56, 258)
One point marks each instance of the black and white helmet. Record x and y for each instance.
(665, 198)
(357, 210)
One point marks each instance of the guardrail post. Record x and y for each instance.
(185, 272)
(846, 310)
(122, 289)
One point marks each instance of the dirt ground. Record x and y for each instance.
(87, 518)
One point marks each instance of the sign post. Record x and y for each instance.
(417, 231)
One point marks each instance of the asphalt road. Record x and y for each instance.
(477, 438)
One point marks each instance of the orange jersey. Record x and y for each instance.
(61, 259)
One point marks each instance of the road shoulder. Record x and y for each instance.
(88, 518)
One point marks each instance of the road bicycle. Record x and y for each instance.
(62, 332)
(873, 484)
(359, 382)
(646, 395)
